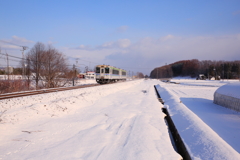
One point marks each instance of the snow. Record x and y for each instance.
(209, 131)
(228, 96)
(119, 121)
(116, 121)
(230, 89)
(79, 82)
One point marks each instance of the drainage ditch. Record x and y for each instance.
(176, 140)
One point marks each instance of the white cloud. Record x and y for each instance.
(108, 45)
(168, 37)
(81, 46)
(20, 40)
(121, 43)
(150, 52)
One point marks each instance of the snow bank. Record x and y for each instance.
(200, 140)
(228, 96)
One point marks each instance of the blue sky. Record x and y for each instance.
(136, 35)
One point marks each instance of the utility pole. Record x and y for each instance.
(23, 60)
(7, 66)
(73, 73)
(76, 70)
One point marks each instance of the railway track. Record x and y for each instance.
(42, 91)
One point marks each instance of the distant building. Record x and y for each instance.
(90, 75)
(201, 77)
(81, 75)
(9, 70)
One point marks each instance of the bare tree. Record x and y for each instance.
(140, 75)
(48, 65)
(54, 68)
(35, 57)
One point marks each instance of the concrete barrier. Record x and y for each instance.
(227, 101)
(228, 96)
(178, 142)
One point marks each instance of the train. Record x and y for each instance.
(107, 74)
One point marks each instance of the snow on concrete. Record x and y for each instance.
(209, 131)
(230, 89)
(228, 96)
(117, 121)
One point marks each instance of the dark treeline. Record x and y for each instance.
(194, 67)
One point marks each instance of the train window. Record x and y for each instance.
(115, 71)
(124, 73)
(102, 70)
(97, 70)
(106, 70)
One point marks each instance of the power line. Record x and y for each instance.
(10, 43)
(88, 61)
(23, 47)
(9, 59)
(79, 59)
(24, 59)
(136, 68)
(12, 56)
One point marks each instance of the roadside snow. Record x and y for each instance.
(117, 121)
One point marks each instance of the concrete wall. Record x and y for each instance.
(227, 101)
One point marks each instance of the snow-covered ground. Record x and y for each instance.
(119, 121)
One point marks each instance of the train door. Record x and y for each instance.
(102, 73)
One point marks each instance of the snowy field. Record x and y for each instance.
(119, 121)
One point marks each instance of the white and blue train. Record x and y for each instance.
(106, 74)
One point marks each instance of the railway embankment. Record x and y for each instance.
(42, 91)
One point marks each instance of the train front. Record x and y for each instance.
(102, 74)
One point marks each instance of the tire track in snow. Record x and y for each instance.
(130, 131)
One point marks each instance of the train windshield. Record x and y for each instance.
(97, 70)
(106, 70)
